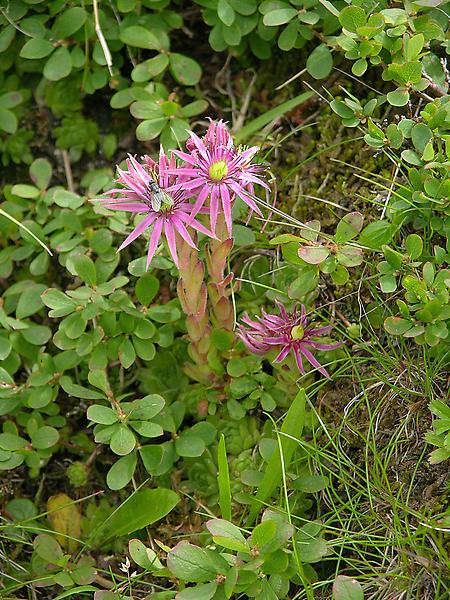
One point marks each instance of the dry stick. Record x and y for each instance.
(291, 79)
(117, 17)
(11, 22)
(101, 38)
(239, 122)
(220, 73)
(68, 170)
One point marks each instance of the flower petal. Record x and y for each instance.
(214, 207)
(127, 207)
(199, 145)
(282, 355)
(239, 191)
(226, 205)
(179, 226)
(171, 242)
(298, 360)
(314, 362)
(140, 228)
(154, 240)
(201, 199)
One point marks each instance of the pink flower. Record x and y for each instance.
(148, 189)
(217, 134)
(290, 332)
(216, 170)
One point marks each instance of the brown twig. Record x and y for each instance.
(240, 119)
(68, 170)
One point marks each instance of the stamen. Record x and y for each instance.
(297, 332)
(218, 170)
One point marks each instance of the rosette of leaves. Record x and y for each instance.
(240, 434)
(250, 387)
(77, 135)
(353, 111)
(398, 263)
(257, 565)
(400, 40)
(160, 112)
(425, 312)
(201, 479)
(118, 425)
(51, 566)
(440, 434)
(42, 436)
(330, 255)
(361, 37)
(243, 473)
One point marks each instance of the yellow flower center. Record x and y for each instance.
(218, 170)
(297, 332)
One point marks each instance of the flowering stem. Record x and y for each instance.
(217, 255)
(192, 293)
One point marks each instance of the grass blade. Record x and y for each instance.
(292, 426)
(22, 226)
(223, 478)
(269, 116)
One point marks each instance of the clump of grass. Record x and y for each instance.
(380, 508)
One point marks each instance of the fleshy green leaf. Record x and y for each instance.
(185, 70)
(142, 508)
(320, 62)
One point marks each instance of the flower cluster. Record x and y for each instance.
(288, 332)
(170, 195)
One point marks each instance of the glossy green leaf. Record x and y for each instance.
(68, 22)
(139, 510)
(143, 556)
(146, 288)
(292, 426)
(59, 65)
(185, 70)
(121, 472)
(279, 16)
(36, 48)
(85, 269)
(320, 62)
(8, 120)
(346, 588)
(352, 17)
(123, 440)
(141, 37)
(227, 535)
